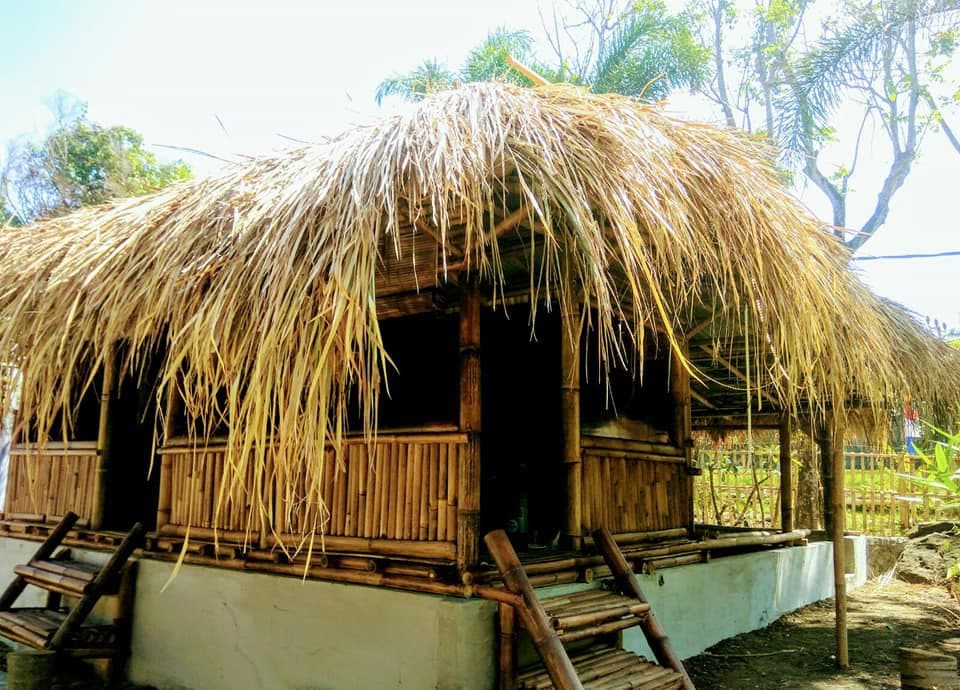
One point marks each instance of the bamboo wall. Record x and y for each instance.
(45, 484)
(407, 491)
(634, 486)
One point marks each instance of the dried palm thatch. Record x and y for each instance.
(262, 281)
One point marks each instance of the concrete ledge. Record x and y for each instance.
(215, 628)
(699, 605)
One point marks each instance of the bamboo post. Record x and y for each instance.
(629, 586)
(468, 489)
(570, 410)
(508, 640)
(831, 439)
(545, 638)
(104, 440)
(786, 476)
(682, 426)
(825, 444)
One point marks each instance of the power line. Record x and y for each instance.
(906, 256)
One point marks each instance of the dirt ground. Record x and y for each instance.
(798, 650)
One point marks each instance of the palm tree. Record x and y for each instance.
(631, 47)
(486, 61)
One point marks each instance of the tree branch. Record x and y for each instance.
(935, 112)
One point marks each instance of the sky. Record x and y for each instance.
(236, 79)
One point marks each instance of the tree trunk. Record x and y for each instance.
(808, 512)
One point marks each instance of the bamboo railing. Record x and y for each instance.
(46, 484)
(633, 486)
(396, 496)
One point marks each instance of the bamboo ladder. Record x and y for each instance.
(599, 615)
(64, 628)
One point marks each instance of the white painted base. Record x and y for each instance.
(215, 628)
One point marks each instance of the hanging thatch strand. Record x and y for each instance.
(262, 282)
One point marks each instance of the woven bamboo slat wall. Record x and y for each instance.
(46, 484)
(633, 486)
(406, 491)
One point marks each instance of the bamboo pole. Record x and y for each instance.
(104, 443)
(836, 461)
(442, 490)
(629, 586)
(786, 476)
(825, 444)
(507, 618)
(546, 639)
(682, 425)
(164, 501)
(468, 489)
(570, 410)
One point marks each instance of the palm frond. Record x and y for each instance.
(429, 77)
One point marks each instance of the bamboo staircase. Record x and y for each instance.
(73, 590)
(577, 635)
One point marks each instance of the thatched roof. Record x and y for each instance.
(264, 279)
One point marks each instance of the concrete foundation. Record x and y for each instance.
(215, 628)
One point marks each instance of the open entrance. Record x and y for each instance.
(522, 488)
(133, 485)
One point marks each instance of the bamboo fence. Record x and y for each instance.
(739, 488)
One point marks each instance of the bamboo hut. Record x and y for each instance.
(501, 308)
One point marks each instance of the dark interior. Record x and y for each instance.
(522, 486)
(84, 415)
(633, 390)
(423, 381)
(134, 487)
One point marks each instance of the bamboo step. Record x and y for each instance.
(594, 612)
(35, 627)
(69, 577)
(608, 668)
(52, 582)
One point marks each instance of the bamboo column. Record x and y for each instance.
(786, 475)
(839, 553)
(825, 444)
(682, 426)
(468, 490)
(830, 440)
(165, 498)
(104, 433)
(570, 410)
